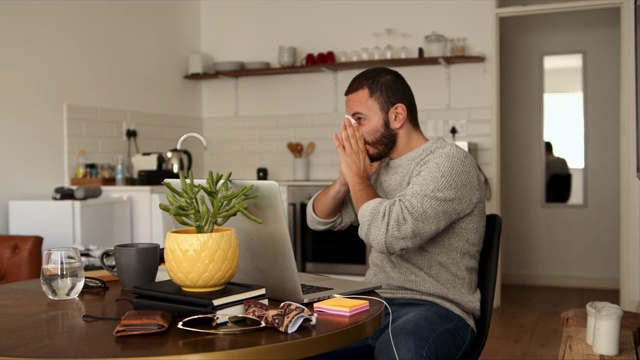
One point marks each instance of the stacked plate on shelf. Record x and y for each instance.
(257, 65)
(221, 66)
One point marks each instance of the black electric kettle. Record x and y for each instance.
(177, 159)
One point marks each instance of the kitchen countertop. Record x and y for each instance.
(304, 182)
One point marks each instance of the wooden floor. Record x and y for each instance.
(527, 324)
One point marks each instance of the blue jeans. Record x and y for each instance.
(420, 330)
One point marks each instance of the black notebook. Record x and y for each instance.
(168, 291)
(181, 310)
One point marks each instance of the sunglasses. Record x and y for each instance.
(210, 323)
(91, 283)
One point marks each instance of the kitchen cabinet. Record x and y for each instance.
(444, 61)
(101, 222)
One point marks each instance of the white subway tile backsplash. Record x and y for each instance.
(138, 118)
(113, 115)
(274, 133)
(265, 122)
(331, 119)
(479, 127)
(100, 129)
(295, 120)
(113, 146)
(242, 134)
(448, 114)
(312, 133)
(151, 132)
(258, 121)
(482, 114)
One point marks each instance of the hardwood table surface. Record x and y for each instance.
(33, 326)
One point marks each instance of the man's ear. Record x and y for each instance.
(397, 116)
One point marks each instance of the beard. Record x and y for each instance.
(384, 143)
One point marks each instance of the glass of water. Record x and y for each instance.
(62, 275)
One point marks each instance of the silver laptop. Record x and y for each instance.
(266, 252)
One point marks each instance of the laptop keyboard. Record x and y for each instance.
(311, 289)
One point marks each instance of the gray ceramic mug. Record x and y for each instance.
(136, 263)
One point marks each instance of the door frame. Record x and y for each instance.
(629, 187)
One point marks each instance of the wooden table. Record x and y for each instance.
(574, 328)
(32, 326)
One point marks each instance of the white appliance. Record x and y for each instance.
(146, 161)
(101, 222)
(471, 148)
(148, 222)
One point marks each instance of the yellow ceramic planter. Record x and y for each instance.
(201, 262)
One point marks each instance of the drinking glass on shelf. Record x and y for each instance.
(365, 54)
(62, 274)
(376, 51)
(387, 52)
(403, 51)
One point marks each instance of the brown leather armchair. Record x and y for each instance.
(20, 257)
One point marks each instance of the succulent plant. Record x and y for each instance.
(189, 205)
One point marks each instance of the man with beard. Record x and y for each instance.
(420, 207)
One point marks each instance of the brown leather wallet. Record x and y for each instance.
(136, 322)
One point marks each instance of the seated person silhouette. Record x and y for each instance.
(558, 177)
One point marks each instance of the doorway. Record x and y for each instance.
(560, 245)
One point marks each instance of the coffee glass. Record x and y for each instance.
(62, 273)
(135, 263)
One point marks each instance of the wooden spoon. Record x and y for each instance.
(309, 149)
(299, 149)
(292, 148)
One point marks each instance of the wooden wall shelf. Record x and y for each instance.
(446, 60)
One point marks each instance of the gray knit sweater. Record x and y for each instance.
(425, 230)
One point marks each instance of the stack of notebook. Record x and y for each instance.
(167, 296)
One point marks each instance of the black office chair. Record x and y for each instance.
(558, 188)
(487, 274)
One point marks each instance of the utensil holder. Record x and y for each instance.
(300, 169)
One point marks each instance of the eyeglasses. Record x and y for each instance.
(210, 323)
(91, 283)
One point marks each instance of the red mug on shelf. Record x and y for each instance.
(309, 59)
(331, 57)
(321, 58)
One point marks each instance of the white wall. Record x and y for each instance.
(250, 120)
(122, 55)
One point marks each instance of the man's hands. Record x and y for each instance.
(354, 160)
(355, 167)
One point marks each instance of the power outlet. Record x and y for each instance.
(460, 125)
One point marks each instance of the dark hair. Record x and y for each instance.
(548, 147)
(388, 88)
